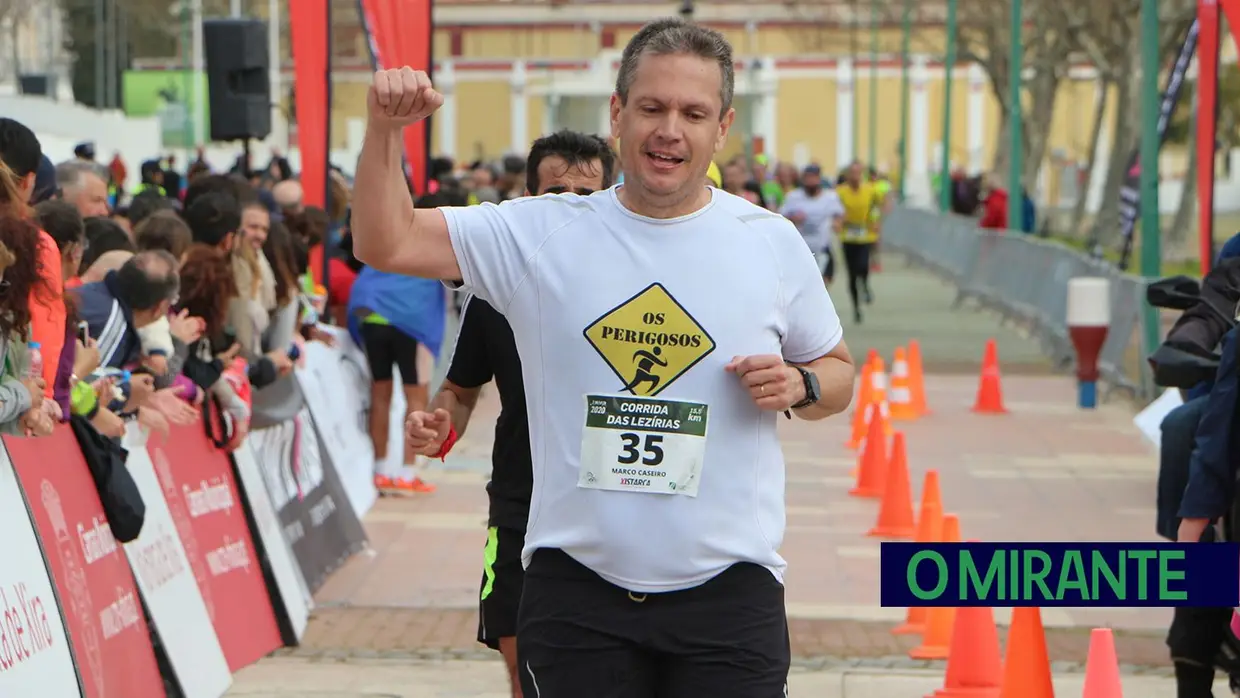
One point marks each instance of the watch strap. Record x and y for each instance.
(809, 395)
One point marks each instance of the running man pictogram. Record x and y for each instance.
(646, 361)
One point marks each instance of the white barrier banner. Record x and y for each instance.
(34, 649)
(169, 585)
(288, 577)
(344, 402)
(336, 387)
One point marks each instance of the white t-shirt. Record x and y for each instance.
(819, 211)
(600, 298)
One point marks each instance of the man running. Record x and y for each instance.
(651, 552)
(816, 212)
(563, 162)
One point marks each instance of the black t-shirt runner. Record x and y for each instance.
(486, 349)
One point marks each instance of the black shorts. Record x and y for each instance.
(502, 579)
(386, 346)
(579, 635)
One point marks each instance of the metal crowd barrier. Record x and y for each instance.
(1025, 280)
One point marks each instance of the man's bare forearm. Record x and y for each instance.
(382, 209)
(459, 402)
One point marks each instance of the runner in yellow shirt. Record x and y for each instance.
(859, 199)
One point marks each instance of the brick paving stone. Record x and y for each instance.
(346, 631)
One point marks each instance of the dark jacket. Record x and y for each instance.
(111, 323)
(1199, 329)
(1212, 469)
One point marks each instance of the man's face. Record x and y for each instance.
(733, 178)
(556, 175)
(811, 181)
(89, 195)
(142, 319)
(853, 175)
(255, 224)
(482, 178)
(670, 127)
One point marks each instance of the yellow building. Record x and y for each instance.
(512, 72)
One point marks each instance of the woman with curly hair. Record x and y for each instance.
(46, 296)
(207, 289)
(21, 395)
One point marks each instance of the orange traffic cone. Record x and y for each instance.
(901, 394)
(916, 379)
(939, 621)
(989, 392)
(872, 468)
(929, 530)
(879, 394)
(1027, 666)
(1102, 667)
(930, 495)
(865, 396)
(973, 665)
(895, 515)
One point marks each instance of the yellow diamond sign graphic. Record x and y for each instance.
(649, 341)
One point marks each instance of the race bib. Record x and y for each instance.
(635, 444)
(854, 232)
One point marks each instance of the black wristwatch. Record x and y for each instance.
(813, 393)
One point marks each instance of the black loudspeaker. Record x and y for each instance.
(237, 79)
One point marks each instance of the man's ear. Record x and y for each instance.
(27, 187)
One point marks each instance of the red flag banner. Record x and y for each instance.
(1207, 123)
(401, 34)
(308, 26)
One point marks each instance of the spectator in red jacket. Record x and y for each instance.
(995, 210)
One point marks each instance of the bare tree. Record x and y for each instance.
(1108, 32)
(12, 14)
(1048, 47)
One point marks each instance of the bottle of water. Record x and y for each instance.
(35, 370)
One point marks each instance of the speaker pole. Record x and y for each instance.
(327, 167)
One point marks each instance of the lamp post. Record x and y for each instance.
(1089, 317)
(906, 30)
(949, 64)
(1151, 247)
(873, 83)
(1016, 129)
(853, 54)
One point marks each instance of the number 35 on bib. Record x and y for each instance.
(633, 444)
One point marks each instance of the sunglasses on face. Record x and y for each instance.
(582, 191)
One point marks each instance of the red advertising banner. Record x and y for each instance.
(413, 19)
(402, 36)
(202, 497)
(308, 26)
(102, 610)
(1207, 118)
(35, 659)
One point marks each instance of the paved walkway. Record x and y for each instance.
(380, 678)
(911, 302)
(1045, 472)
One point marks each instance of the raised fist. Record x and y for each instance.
(401, 96)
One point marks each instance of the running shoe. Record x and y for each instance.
(399, 486)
